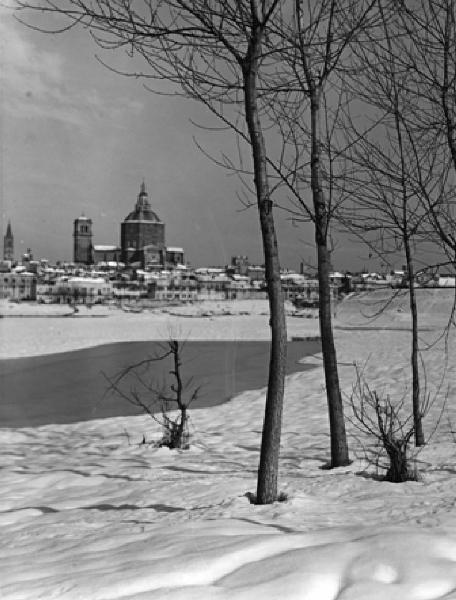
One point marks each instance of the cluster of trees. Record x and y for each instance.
(348, 110)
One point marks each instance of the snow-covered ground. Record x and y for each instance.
(88, 512)
(25, 335)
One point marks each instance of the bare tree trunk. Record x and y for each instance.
(270, 444)
(447, 87)
(180, 432)
(339, 447)
(417, 418)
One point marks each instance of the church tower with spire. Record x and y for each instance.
(82, 241)
(8, 244)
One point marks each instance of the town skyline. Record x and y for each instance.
(16, 254)
(78, 139)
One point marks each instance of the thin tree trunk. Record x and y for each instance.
(448, 85)
(339, 447)
(270, 444)
(417, 418)
(416, 408)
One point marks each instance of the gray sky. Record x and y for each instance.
(77, 138)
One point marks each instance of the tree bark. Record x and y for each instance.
(339, 447)
(270, 444)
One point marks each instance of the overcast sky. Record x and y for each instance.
(77, 138)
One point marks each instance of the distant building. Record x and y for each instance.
(18, 285)
(256, 273)
(240, 264)
(153, 257)
(142, 228)
(82, 238)
(174, 256)
(89, 290)
(142, 242)
(106, 254)
(8, 244)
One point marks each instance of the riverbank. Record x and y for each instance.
(248, 321)
(233, 320)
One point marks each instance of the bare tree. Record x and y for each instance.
(148, 395)
(429, 54)
(213, 52)
(316, 52)
(387, 209)
(423, 45)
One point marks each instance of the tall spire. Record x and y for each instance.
(142, 202)
(8, 244)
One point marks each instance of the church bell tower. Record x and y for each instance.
(82, 236)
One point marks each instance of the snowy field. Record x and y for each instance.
(25, 335)
(87, 512)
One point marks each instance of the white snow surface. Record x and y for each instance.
(88, 512)
(36, 329)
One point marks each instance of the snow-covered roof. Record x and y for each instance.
(88, 280)
(209, 270)
(292, 277)
(111, 264)
(105, 248)
(21, 273)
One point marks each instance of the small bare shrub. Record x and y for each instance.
(389, 425)
(150, 397)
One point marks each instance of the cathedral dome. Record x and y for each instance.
(143, 211)
(141, 232)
